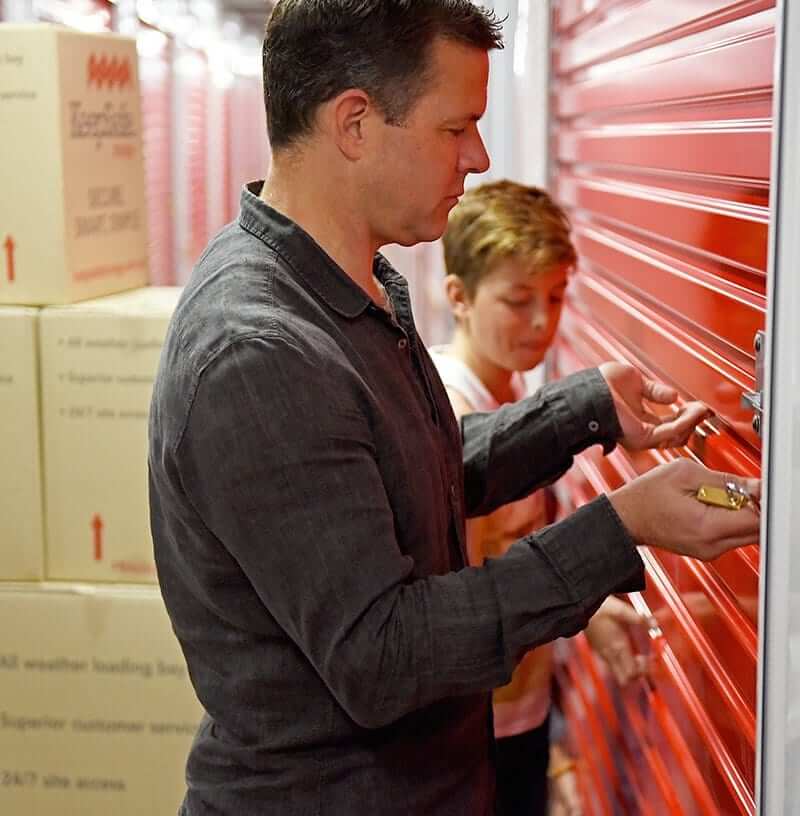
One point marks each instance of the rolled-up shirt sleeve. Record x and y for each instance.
(291, 488)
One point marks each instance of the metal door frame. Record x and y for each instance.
(778, 746)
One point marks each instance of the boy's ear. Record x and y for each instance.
(457, 296)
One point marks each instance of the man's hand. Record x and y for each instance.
(607, 633)
(641, 428)
(659, 509)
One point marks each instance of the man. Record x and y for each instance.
(308, 483)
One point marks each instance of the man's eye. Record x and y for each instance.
(517, 304)
(457, 131)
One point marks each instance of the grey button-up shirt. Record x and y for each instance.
(308, 489)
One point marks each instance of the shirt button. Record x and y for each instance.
(594, 426)
(402, 343)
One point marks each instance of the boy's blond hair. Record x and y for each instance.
(504, 219)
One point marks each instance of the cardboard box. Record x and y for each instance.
(99, 360)
(21, 533)
(96, 710)
(72, 213)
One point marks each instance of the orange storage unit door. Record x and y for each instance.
(660, 151)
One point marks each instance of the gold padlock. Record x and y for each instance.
(731, 497)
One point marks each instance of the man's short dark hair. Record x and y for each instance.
(315, 49)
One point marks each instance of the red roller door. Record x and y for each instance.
(190, 152)
(660, 148)
(155, 77)
(249, 146)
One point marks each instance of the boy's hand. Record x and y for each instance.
(565, 798)
(607, 633)
(641, 428)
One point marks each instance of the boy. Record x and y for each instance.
(508, 256)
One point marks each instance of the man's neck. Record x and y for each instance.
(320, 205)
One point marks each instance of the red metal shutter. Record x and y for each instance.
(155, 78)
(190, 149)
(250, 155)
(197, 161)
(661, 115)
(227, 185)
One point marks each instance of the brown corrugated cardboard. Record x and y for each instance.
(98, 362)
(21, 533)
(96, 710)
(72, 212)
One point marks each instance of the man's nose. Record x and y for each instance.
(474, 157)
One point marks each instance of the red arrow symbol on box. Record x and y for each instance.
(9, 245)
(97, 527)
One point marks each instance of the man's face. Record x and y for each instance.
(416, 171)
(513, 315)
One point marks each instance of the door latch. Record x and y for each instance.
(754, 400)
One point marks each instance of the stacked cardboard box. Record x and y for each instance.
(96, 709)
(98, 362)
(96, 713)
(72, 213)
(21, 541)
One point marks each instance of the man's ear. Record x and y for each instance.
(347, 116)
(457, 296)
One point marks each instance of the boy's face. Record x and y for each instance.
(513, 315)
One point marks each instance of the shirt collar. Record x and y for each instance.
(317, 269)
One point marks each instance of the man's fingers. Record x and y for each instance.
(719, 479)
(646, 415)
(723, 545)
(658, 392)
(691, 415)
(721, 523)
(752, 486)
(676, 431)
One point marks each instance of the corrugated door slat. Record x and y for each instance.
(190, 111)
(660, 147)
(249, 145)
(155, 77)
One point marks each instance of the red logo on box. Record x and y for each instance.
(9, 247)
(108, 72)
(97, 529)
